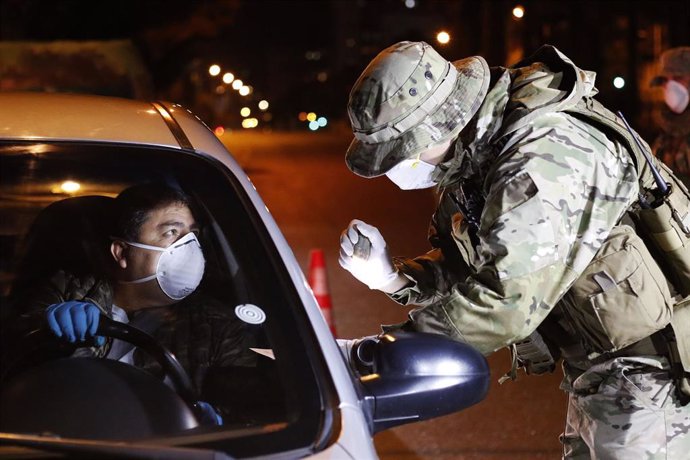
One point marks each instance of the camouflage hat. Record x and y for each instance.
(673, 62)
(408, 99)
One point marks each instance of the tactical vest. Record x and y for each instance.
(634, 297)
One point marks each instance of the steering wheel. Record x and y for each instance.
(42, 338)
(171, 366)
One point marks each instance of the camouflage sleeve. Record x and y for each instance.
(555, 196)
(433, 274)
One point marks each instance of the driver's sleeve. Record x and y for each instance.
(543, 221)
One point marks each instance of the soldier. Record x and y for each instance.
(673, 144)
(535, 238)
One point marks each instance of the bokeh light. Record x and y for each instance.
(313, 125)
(519, 12)
(443, 37)
(619, 82)
(245, 111)
(214, 70)
(302, 116)
(263, 104)
(311, 116)
(237, 84)
(322, 121)
(219, 131)
(228, 78)
(244, 91)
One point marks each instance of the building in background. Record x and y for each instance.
(303, 56)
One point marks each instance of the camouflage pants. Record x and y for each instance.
(626, 408)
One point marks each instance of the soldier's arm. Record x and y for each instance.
(561, 192)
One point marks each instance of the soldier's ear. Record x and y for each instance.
(118, 249)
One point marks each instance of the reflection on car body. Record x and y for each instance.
(63, 160)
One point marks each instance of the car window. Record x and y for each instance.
(242, 335)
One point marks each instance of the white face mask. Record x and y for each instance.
(676, 96)
(412, 174)
(180, 266)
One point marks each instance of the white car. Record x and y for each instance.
(62, 160)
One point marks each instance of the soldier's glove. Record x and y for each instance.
(359, 354)
(363, 252)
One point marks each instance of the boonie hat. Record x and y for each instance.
(673, 62)
(408, 99)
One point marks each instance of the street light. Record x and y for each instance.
(214, 70)
(443, 37)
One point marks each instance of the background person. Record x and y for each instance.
(532, 224)
(672, 145)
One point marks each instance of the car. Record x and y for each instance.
(63, 158)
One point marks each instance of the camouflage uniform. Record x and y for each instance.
(555, 189)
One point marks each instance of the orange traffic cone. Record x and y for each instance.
(319, 285)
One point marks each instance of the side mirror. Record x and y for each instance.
(418, 376)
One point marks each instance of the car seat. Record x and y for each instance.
(72, 235)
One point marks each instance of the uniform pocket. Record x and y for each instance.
(622, 296)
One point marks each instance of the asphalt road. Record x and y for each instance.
(305, 184)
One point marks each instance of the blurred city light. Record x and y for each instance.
(302, 116)
(69, 186)
(311, 116)
(518, 12)
(443, 37)
(219, 131)
(322, 77)
(228, 78)
(214, 70)
(410, 3)
(313, 125)
(220, 89)
(619, 82)
(322, 121)
(237, 84)
(245, 111)
(263, 104)
(244, 90)
(249, 123)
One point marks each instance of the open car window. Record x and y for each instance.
(242, 335)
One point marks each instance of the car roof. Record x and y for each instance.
(56, 116)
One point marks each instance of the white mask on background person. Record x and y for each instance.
(676, 96)
(180, 266)
(412, 174)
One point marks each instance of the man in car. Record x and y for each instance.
(534, 247)
(157, 266)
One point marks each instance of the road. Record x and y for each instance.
(312, 195)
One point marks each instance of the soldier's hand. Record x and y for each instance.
(368, 261)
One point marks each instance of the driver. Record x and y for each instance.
(152, 284)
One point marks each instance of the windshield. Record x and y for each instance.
(241, 334)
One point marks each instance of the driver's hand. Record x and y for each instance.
(74, 320)
(208, 415)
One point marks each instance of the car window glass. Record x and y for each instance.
(240, 335)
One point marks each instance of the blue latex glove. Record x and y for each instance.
(74, 320)
(209, 416)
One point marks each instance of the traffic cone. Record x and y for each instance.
(319, 285)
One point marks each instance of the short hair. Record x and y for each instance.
(133, 205)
